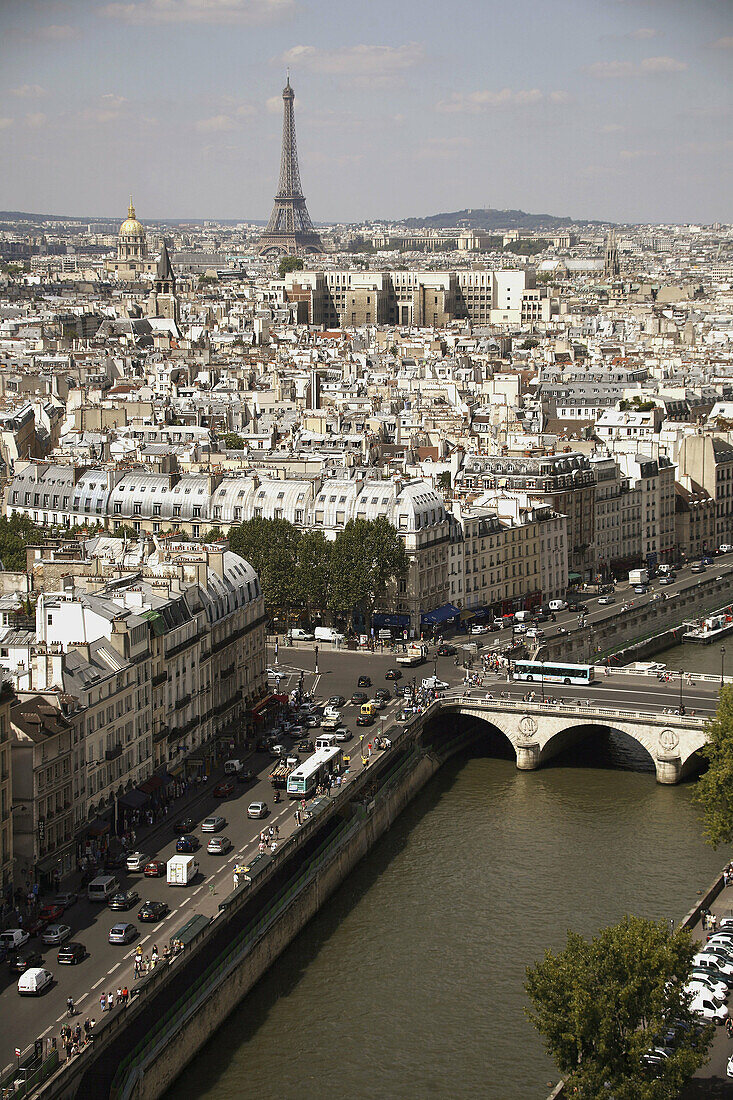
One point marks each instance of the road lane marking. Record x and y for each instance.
(144, 941)
(97, 983)
(209, 879)
(114, 968)
(185, 902)
(49, 1028)
(58, 1022)
(80, 999)
(198, 890)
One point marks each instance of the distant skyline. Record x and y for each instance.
(616, 110)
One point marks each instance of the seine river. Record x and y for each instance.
(410, 982)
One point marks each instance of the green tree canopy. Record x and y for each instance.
(233, 442)
(313, 570)
(367, 555)
(600, 1005)
(271, 548)
(714, 789)
(289, 263)
(16, 533)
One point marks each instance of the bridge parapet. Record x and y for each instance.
(538, 731)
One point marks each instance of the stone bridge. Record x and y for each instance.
(538, 731)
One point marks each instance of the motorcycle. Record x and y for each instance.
(276, 796)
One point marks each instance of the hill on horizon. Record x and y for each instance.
(490, 220)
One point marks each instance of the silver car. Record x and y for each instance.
(213, 824)
(218, 845)
(56, 933)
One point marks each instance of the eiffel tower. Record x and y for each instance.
(290, 229)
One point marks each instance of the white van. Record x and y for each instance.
(704, 1005)
(557, 605)
(181, 870)
(328, 741)
(522, 616)
(328, 634)
(33, 981)
(102, 888)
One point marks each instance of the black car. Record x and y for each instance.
(365, 720)
(124, 900)
(187, 843)
(393, 674)
(22, 960)
(71, 953)
(304, 746)
(364, 682)
(244, 775)
(446, 650)
(581, 607)
(383, 693)
(153, 911)
(115, 862)
(359, 698)
(185, 825)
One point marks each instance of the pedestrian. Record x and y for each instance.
(119, 995)
(103, 1002)
(273, 847)
(110, 1001)
(137, 967)
(125, 995)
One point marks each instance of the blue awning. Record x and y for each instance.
(385, 619)
(441, 614)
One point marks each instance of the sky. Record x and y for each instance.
(615, 110)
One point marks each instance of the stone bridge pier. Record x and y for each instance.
(538, 731)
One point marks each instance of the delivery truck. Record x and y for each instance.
(414, 655)
(182, 870)
(638, 576)
(279, 774)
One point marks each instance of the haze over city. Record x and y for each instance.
(600, 110)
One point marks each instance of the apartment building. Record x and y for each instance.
(654, 479)
(6, 791)
(618, 527)
(708, 461)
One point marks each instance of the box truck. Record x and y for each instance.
(182, 869)
(638, 576)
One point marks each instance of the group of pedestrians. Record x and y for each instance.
(75, 1039)
(107, 1001)
(269, 839)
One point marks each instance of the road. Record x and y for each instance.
(106, 966)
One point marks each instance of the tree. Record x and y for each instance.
(312, 571)
(367, 555)
(529, 343)
(271, 548)
(714, 789)
(289, 263)
(234, 442)
(443, 479)
(15, 534)
(600, 1005)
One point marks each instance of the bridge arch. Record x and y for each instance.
(585, 729)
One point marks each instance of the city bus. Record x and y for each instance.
(553, 672)
(305, 780)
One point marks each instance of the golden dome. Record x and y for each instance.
(131, 227)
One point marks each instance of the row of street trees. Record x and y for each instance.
(349, 577)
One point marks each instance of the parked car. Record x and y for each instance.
(359, 698)
(56, 933)
(364, 682)
(297, 634)
(122, 933)
(446, 650)
(124, 900)
(187, 843)
(50, 912)
(218, 845)
(224, 789)
(156, 868)
(19, 961)
(152, 911)
(213, 824)
(185, 825)
(394, 673)
(257, 809)
(136, 861)
(12, 938)
(66, 900)
(71, 953)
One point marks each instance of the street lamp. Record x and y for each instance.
(722, 666)
(543, 681)
(682, 677)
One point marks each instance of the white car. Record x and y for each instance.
(696, 988)
(56, 933)
(257, 809)
(33, 981)
(136, 861)
(729, 1067)
(13, 938)
(719, 961)
(718, 989)
(704, 1005)
(605, 600)
(213, 824)
(299, 635)
(479, 628)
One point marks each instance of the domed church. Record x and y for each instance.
(132, 250)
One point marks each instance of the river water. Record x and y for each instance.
(410, 981)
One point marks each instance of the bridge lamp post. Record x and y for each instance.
(543, 680)
(682, 679)
(722, 665)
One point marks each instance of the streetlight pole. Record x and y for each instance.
(543, 681)
(682, 677)
(722, 667)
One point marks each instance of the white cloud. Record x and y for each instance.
(559, 97)
(475, 102)
(725, 43)
(36, 120)
(99, 115)
(612, 128)
(642, 33)
(618, 70)
(216, 124)
(214, 12)
(274, 104)
(356, 61)
(662, 65)
(5, 122)
(28, 91)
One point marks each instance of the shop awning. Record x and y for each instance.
(98, 827)
(441, 614)
(466, 615)
(263, 703)
(383, 619)
(133, 799)
(574, 577)
(151, 784)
